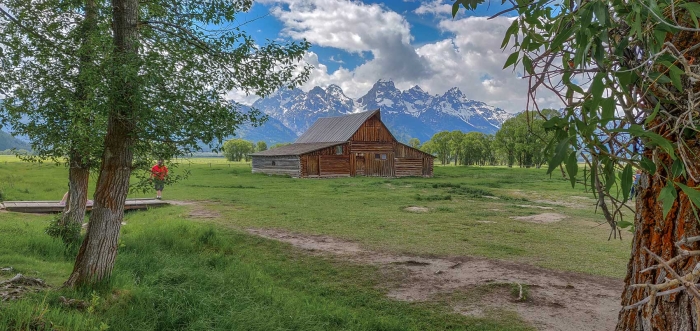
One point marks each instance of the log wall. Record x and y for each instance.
(284, 165)
(326, 162)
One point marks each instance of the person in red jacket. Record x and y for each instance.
(158, 174)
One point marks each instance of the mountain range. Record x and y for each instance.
(8, 142)
(412, 113)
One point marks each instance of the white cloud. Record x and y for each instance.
(474, 60)
(355, 27)
(343, 24)
(471, 60)
(435, 7)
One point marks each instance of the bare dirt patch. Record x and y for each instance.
(533, 206)
(543, 218)
(557, 300)
(415, 209)
(198, 209)
(569, 204)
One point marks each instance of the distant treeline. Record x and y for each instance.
(522, 141)
(239, 149)
(13, 152)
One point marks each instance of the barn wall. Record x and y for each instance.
(375, 167)
(408, 167)
(284, 165)
(412, 162)
(326, 163)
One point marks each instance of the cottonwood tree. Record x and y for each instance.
(54, 91)
(628, 74)
(440, 144)
(414, 142)
(170, 64)
(237, 149)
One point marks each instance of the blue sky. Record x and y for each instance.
(412, 42)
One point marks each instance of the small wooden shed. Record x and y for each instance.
(351, 145)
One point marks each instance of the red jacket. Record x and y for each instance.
(159, 172)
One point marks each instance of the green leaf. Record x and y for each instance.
(455, 8)
(513, 58)
(586, 17)
(608, 106)
(593, 175)
(655, 138)
(626, 181)
(694, 17)
(624, 224)
(572, 168)
(527, 63)
(601, 12)
(512, 30)
(660, 36)
(667, 196)
(561, 37)
(659, 78)
(625, 77)
(678, 168)
(597, 87)
(694, 10)
(559, 154)
(636, 25)
(676, 74)
(648, 165)
(653, 113)
(692, 193)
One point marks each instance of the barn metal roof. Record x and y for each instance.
(334, 129)
(297, 149)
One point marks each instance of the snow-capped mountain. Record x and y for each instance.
(408, 114)
(298, 110)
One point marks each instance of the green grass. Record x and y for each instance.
(368, 210)
(175, 270)
(173, 274)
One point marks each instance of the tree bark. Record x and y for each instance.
(98, 252)
(74, 212)
(676, 312)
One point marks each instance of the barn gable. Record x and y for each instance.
(332, 129)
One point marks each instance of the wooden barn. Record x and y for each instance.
(352, 145)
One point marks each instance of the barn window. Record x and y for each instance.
(273, 163)
(380, 156)
(339, 150)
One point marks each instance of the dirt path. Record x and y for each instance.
(557, 300)
(561, 301)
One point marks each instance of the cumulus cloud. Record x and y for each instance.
(355, 27)
(435, 7)
(474, 60)
(470, 59)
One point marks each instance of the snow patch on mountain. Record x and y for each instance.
(409, 113)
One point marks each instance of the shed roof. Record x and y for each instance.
(297, 149)
(334, 129)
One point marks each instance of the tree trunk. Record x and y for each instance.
(676, 312)
(74, 212)
(98, 252)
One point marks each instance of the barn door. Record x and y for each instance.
(359, 164)
(312, 166)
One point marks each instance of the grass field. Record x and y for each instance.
(211, 274)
